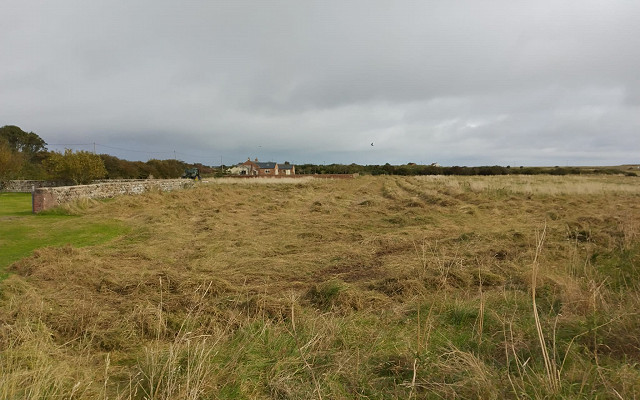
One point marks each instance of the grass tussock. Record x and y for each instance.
(376, 287)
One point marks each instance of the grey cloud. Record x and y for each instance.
(465, 82)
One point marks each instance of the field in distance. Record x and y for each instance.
(374, 287)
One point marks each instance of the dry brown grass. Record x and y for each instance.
(386, 287)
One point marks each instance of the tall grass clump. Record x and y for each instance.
(180, 370)
(548, 356)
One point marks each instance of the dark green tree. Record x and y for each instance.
(11, 162)
(27, 143)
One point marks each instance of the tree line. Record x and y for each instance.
(415, 169)
(24, 155)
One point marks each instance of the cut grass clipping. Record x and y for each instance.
(377, 287)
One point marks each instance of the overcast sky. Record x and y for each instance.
(455, 82)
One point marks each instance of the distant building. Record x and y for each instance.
(287, 169)
(257, 168)
(240, 169)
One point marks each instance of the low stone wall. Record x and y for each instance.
(46, 198)
(24, 186)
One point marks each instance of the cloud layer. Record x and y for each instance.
(460, 83)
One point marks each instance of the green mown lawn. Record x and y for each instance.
(21, 232)
(14, 204)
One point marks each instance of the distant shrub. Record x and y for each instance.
(81, 167)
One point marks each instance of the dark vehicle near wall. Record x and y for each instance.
(191, 173)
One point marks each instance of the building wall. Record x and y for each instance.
(289, 171)
(272, 171)
(252, 167)
(45, 198)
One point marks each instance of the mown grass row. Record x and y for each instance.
(375, 288)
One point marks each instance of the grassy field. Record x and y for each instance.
(21, 232)
(376, 287)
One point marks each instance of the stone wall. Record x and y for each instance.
(23, 186)
(46, 198)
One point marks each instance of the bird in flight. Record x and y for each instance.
(371, 143)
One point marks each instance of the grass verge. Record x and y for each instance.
(21, 232)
